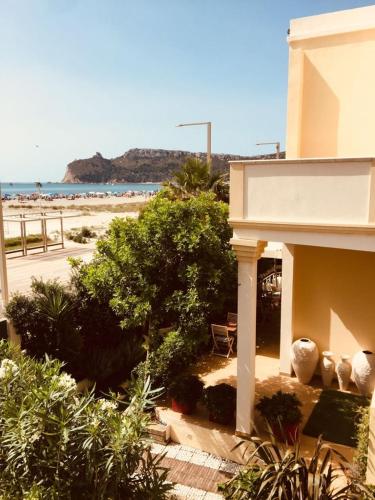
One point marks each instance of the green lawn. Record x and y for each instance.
(335, 417)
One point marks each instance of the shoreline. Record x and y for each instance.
(77, 202)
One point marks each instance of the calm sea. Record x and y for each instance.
(14, 188)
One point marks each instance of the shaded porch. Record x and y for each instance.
(198, 432)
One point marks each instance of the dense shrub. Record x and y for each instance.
(362, 434)
(82, 235)
(44, 319)
(163, 364)
(55, 444)
(71, 326)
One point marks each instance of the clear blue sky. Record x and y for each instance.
(80, 76)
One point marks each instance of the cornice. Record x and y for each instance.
(361, 229)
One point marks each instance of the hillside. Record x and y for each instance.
(140, 165)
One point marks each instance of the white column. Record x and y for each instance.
(286, 326)
(247, 253)
(3, 264)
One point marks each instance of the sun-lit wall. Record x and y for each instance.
(334, 299)
(331, 97)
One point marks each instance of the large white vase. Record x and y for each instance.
(327, 368)
(344, 370)
(363, 364)
(304, 357)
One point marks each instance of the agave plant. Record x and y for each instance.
(280, 473)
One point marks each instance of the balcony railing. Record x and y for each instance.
(313, 191)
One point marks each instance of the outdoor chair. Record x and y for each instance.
(222, 341)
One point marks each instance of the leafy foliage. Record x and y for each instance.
(82, 235)
(172, 266)
(279, 473)
(221, 402)
(56, 444)
(363, 429)
(76, 329)
(44, 320)
(186, 389)
(194, 178)
(164, 363)
(281, 407)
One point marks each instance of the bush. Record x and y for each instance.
(80, 331)
(81, 235)
(281, 408)
(44, 320)
(221, 402)
(55, 444)
(165, 363)
(277, 472)
(362, 434)
(186, 390)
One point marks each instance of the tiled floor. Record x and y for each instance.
(196, 430)
(195, 473)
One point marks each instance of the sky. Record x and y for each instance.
(81, 76)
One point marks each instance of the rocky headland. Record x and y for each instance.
(141, 165)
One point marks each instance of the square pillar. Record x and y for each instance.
(286, 325)
(248, 253)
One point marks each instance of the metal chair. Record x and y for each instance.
(222, 341)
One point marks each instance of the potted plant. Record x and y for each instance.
(185, 392)
(221, 402)
(283, 414)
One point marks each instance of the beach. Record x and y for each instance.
(94, 212)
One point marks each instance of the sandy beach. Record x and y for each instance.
(96, 213)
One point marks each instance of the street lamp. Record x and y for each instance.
(208, 138)
(3, 263)
(277, 144)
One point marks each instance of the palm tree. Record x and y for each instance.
(194, 178)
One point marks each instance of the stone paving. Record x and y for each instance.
(194, 472)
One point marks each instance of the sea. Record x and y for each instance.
(12, 189)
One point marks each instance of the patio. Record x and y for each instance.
(198, 432)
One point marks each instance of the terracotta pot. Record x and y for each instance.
(327, 368)
(286, 432)
(344, 370)
(185, 409)
(364, 371)
(304, 357)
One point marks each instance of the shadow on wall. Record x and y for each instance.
(334, 298)
(320, 115)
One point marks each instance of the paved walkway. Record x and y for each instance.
(195, 473)
(50, 265)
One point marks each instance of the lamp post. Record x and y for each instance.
(208, 138)
(3, 263)
(277, 144)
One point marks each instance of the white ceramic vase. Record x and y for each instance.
(344, 370)
(364, 371)
(304, 357)
(327, 368)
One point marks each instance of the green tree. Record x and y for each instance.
(173, 265)
(195, 178)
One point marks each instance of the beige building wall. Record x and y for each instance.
(331, 97)
(334, 299)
